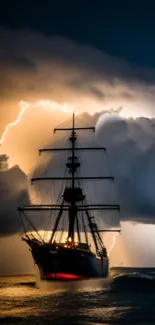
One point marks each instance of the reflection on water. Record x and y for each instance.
(81, 302)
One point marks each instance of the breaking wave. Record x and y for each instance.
(133, 282)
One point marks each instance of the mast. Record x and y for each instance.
(73, 139)
(72, 210)
(73, 200)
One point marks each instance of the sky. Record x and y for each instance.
(124, 30)
(99, 58)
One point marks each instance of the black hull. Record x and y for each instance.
(67, 263)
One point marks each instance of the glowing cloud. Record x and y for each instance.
(108, 118)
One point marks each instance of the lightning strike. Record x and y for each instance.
(45, 104)
(12, 124)
(113, 244)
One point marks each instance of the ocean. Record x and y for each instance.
(127, 297)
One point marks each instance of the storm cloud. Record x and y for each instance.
(34, 67)
(131, 152)
(13, 191)
(130, 158)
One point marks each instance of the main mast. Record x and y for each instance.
(72, 211)
(73, 139)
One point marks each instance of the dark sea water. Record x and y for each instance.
(128, 297)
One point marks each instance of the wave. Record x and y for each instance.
(26, 284)
(134, 282)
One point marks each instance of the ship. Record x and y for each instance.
(72, 258)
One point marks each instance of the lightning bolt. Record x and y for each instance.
(46, 104)
(113, 244)
(12, 124)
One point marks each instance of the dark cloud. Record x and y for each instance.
(131, 145)
(13, 191)
(33, 65)
(87, 88)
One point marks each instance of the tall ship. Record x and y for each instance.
(72, 257)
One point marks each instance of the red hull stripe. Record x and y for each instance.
(63, 276)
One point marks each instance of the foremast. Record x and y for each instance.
(73, 199)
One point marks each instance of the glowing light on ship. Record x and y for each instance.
(64, 276)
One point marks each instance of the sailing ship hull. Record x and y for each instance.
(67, 263)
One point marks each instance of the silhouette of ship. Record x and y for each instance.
(70, 258)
